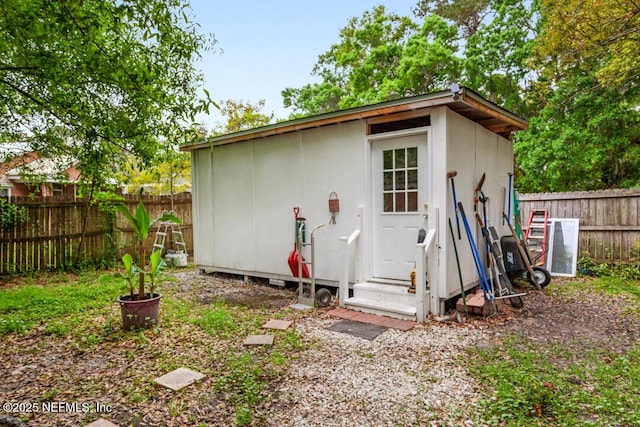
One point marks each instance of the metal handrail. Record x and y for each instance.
(346, 242)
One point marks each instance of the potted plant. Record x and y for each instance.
(141, 309)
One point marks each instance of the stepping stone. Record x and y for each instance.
(102, 423)
(388, 322)
(299, 306)
(179, 378)
(367, 331)
(281, 325)
(259, 340)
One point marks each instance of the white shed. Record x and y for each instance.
(387, 163)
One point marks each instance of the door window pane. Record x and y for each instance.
(400, 205)
(388, 159)
(412, 201)
(400, 158)
(388, 181)
(388, 202)
(400, 185)
(400, 180)
(412, 157)
(412, 179)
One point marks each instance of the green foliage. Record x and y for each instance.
(530, 388)
(142, 225)
(11, 215)
(384, 56)
(585, 137)
(497, 55)
(569, 67)
(130, 272)
(242, 381)
(466, 14)
(242, 115)
(359, 69)
(602, 32)
(170, 174)
(156, 267)
(99, 80)
(225, 321)
(58, 307)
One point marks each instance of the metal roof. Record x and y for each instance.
(465, 102)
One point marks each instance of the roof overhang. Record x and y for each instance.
(464, 102)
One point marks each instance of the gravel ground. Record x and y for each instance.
(397, 379)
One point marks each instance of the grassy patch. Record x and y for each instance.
(527, 384)
(59, 306)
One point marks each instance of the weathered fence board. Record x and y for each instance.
(609, 222)
(52, 237)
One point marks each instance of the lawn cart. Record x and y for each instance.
(517, 261)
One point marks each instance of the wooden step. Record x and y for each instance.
(384, 292)
(382, 308)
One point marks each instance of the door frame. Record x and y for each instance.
(370, 188)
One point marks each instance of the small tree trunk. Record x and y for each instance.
(85, 221)
(141, 275)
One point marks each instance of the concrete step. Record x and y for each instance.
(384, 292)
(382, 308)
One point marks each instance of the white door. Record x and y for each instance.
(399, 178)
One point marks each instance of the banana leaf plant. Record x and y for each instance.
(156, 267)
(130, 272)
(142, 226)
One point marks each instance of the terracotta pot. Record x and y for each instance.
(139, 314)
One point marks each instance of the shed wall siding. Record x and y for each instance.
(252, 187)
(472, 150)
(256, 184)
(203, 217)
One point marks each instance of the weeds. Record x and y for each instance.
(59, 307)
(598, 388)
(548, 385)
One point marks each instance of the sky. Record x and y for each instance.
(265, 46)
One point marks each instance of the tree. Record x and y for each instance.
(242, 115)
(354, 71)
(466, 14)
(587, 133)
(605, 32)
(583, 138)
(99, 79)
(380, 56)
(482, 44)
(497, 55)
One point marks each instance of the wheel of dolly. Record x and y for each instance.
(323, 297)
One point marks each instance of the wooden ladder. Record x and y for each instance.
(536, 235)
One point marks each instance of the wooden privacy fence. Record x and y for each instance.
(51, 237)
(609, 220)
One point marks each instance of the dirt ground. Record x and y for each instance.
(583, 320)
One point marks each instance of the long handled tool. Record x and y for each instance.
(515, 299)
(509, 191)
(477, 191)
(455, 250)
(484, 283)
(450, 176)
